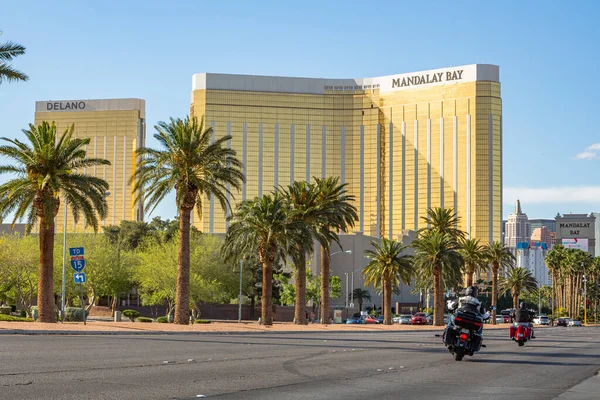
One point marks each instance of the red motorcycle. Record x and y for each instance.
(520, 333)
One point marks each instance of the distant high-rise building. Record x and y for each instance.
(503, 232)
(597, 234)
(577, 231)
(539, 222)
(543, 235)
(517, 228)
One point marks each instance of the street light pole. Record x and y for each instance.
(584, 299)
(346, 297)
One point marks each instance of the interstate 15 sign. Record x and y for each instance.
(77, 260)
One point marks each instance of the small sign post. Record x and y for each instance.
(78, 264)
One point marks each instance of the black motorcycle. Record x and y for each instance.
(463, 334)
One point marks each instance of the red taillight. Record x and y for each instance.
(463, 337)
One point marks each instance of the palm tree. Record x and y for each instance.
(437, 258)
(360, 295)
(263, 227)
(473, 254)
(443, 220)
(503, 259)
(388, 268)
(518, 280)
(342, 215)
(555, 260)
(305, 200)
(195, 166)
(8, 51)
(44, 170)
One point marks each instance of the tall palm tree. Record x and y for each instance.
(359, 295)
(473, 254)
(437, 256)
(334, 197)
(8, 51)
(501, 259)
(555, 260)
(518, 280)
(46, 169)
(263, 227)
(388, 268)
(190, 162)
(307, 208)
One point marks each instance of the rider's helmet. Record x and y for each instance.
(472, 291)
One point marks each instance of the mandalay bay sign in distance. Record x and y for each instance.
(434, 77)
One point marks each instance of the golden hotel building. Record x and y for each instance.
(117, 129)
(403, 143)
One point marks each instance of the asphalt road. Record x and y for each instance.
(378, 365)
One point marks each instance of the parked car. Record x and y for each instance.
(420, 319)
(367, 319)
(354, 320)
(541, 320)
(563, 321)
(506, 319)
(499, 319)
(379, 319)
(575, 322)
(402, 319)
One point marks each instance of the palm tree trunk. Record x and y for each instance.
(325, 259)
(515, 299)
(438, 310)
(495, 268)
(300, 278)
(182, 302)
(469, 277)
(45, 300)
(387, 313)
(267, 294)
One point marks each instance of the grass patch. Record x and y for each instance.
(144, 319)
(202, 321)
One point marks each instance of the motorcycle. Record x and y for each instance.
(463, 334)
(520, 333)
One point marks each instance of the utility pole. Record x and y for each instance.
(584, 299)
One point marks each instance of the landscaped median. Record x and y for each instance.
(103, 327)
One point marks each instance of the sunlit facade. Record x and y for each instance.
(117, 128)
(402, 143)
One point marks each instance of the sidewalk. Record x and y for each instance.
(586, 390)
(132, 328)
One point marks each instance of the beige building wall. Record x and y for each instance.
(117, 129)
(403, 143)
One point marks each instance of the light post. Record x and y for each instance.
(584, 299)
(345, 273)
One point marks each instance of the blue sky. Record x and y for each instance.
(548, 55)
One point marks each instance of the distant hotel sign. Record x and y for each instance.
(424, 79)
(575, 243)
(65, 105)
(579, 229)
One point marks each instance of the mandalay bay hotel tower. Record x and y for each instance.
(402, 143)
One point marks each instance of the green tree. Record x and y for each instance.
(341, 217)
(360, 295)
(262, 227)
(8, 51)
(44, 170)
(555, 261)
(444, 221)
(474, 257)
(388, 268)
(518, 280)
(194, 164)
(436, 256)
(18, 268)
(128, 235)
(502, 259)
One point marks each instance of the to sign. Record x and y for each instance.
(76, 251)
(79, 277)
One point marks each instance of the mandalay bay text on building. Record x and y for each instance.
(402, 143)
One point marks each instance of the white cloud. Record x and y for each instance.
(586, 155)
(554, 194)
(589, 153)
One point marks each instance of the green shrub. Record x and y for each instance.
(162, 320)
(23, 314)
(144, 319)
(74, 314)
(131, 314)
(202, 321)
(10, 318)
(5, 310)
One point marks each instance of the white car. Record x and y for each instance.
(542, 320)
(575, 323)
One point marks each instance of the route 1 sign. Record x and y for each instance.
(78, 265)
(79, 277)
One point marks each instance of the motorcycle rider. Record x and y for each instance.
(523, 316)
(469, 303)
